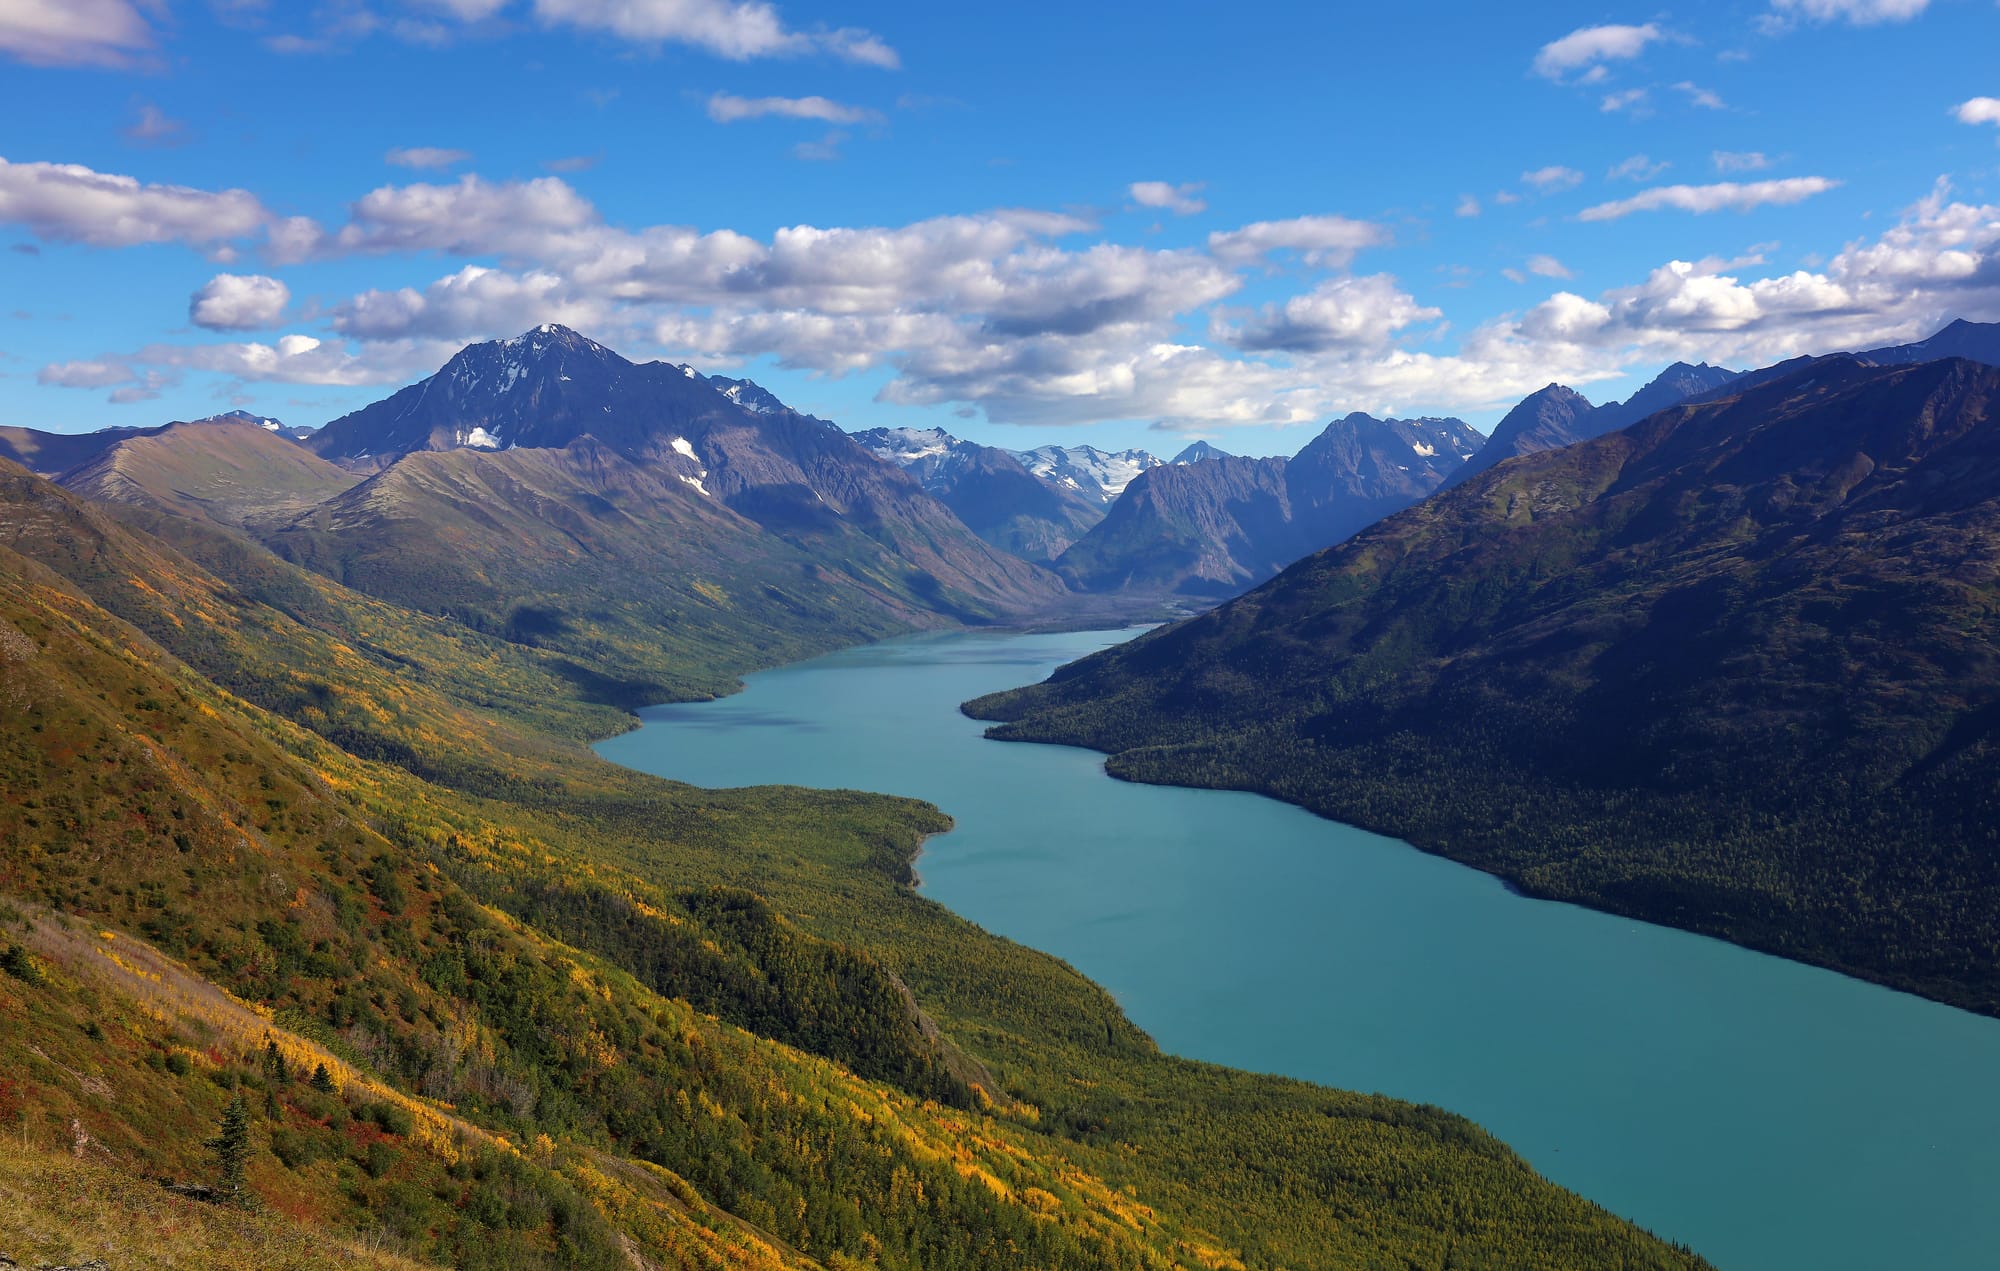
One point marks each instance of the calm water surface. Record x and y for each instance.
(1775, 1117)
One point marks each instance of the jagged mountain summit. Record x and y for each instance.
(1197, 451)
(1734, 668)
(1212, 528)
(1097, 474)
(1557, 415)
(989, 489)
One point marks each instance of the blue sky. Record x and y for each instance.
(1112, 223)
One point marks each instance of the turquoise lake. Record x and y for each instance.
(1773, 1116)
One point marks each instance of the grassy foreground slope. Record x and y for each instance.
(573, 1016)
(1735, 668)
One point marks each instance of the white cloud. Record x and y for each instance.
(239, 302)
(465, 10)
(1978, 110)
(1740, 160)
(153, 127)
(426, 157)
(1702, 97)
(74, 32)
(86, 374)
(725, 108)
(472, 216)
(1339, 313)
(735, 29)
(66, 202)
(1324, 240)
(472, 303)
(1703, 199)
(1593, 45)
(1548, 267)
(1467, 206)
(825, 150)
(1857, 12)
(303, 359)
(1179, 199)
(1638, 167)
(1632, 100)
(1553, 179)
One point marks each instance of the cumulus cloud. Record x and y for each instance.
(473, 302)
(74, 32)
(1181, 200)
(1592, 46)
(1553, 179)
(1339, 313)
(725, 108)
(1547, 267)
(1722, 196)
(303, 359)
(86, 374)
(239, 302)
(426, 157)
(472, 216)
(735, 29)
(1323, 240)
(1978, 110)
(67, 202)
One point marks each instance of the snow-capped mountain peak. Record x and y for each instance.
(1099, 474)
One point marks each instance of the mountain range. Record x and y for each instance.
(991, 490)
(1210, 527)
(1558, 416)
(1734, 668)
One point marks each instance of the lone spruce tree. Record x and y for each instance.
(232, 1149)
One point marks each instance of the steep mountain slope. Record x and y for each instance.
(1213, 528)
(1101, 475)
(800, 479)
(651, 588)
(557, 1029)
(1735, 668)
(233, 471)
(1207, 529)
(989, 489)
(1557, 416)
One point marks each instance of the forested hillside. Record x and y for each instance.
(1735, 669)
(285, 858)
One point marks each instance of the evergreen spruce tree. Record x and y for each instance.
(322, 1080)
(232, 1149)
(274, 1064)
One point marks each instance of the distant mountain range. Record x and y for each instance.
(1735, 668)
(1096, 474)
(1214, 525)
(991, 490)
